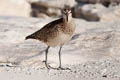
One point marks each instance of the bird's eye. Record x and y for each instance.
(66, 11)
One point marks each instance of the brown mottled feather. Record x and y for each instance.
(55, 33)
(49, 29)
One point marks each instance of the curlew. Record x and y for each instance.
(56, 33)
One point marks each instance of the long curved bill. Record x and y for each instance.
(67, 16)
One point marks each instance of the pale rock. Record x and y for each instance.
(111, 14)
(97, 12)
(99, 1)
(3, 59)
(51, 8)
(15, 8)
(55, 3)
(89, 12)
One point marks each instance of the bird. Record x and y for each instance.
(56, 33)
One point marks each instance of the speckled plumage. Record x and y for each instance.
(53, 29)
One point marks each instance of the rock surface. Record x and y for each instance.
(55, 3)
(97, 12)
(15, 8)
(111, 14)
(51, 8)
(94, 55)
(105, 2)
(80, 9)
(89, 12)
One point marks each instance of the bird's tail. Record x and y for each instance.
(29, 37)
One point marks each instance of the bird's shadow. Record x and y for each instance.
(75, 36)
(20, 59)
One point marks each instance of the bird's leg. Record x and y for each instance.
(60, 57)
(60, 68)
(46, 53)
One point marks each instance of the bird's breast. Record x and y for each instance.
(59, 40)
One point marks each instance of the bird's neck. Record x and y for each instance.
(69, 23)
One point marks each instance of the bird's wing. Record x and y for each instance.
(49, 29)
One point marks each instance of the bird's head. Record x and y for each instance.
(67, 15)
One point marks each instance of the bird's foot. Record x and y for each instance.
(60, 68)
(46, 65)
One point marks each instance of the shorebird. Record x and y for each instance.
(56, 33)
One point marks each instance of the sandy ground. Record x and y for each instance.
(101, 70)
(94, 54)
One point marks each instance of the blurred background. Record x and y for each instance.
(92, 54)
(90, 10)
